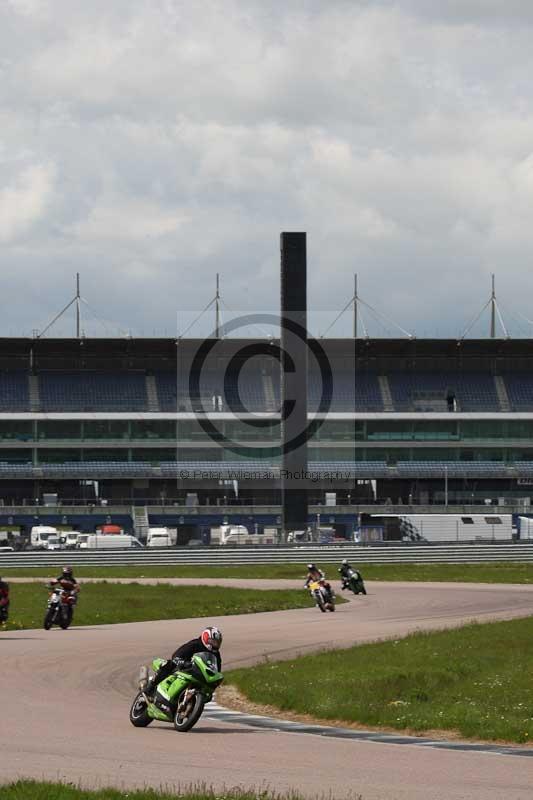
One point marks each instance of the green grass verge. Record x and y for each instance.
(106, 603)
(470, 573)
(475, 680)
(36, 790)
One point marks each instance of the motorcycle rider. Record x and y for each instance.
(209, 641)
(315, 574)
(67, 581)
(4, 601)
(344, 570)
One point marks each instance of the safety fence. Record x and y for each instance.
(229, 556)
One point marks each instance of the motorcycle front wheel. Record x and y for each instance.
(66, 619)
(320, 603)
(185, 719)
(139, 712)
(49, 619)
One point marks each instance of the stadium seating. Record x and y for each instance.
(167, 390)
(454, 469)
(126, 391)
(14, 391)
(175, 392)
(427, 391)
(123, 391)
(520, 390)
(345, 469)
(350, 393)
(92, 391)
(250, 391)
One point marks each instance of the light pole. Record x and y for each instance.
(446, 486)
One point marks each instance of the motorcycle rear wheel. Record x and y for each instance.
(139, 712)
(49, 619)
(185, 723)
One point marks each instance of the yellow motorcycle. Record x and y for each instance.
(323, 595)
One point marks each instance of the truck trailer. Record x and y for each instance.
(456, 527)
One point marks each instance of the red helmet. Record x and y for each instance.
(211, 638)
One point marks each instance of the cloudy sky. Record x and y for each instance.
(149, 144)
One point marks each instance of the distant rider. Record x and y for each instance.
(4, 601)
(315, 574)
(345, 570)
(209, 641)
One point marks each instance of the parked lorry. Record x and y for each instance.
(110, 529)
(455, 527)
(97, 541)
(525, 528)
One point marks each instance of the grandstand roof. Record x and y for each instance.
(143, 353)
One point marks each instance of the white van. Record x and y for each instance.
(39, 535)
(94, 541)
(70, 539)
(237, 534)
(161, 537)
(53, 542)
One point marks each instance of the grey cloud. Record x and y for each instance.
(151, 144)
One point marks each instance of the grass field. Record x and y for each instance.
(475, 681)
(106, 603)
(470, 573)
(33, 790)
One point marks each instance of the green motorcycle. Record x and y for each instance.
(181, 697)
(353, 581)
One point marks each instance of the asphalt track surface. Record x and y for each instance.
(65, 697)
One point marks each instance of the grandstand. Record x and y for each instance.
(114, 423)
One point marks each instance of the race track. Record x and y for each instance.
(65, 698)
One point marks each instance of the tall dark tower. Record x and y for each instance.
(294, 381)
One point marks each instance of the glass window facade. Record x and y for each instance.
(190, 430)
(51, 455)
(102, 429)
(153, 455)
(104, 454)
(153, 429)
(59, 429)
(412, 430)
(390, 441)
(18, 430)
(16, 456)
(338, 430)
(198, 454)
(250, 431)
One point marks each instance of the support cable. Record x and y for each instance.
(39, 335)
(471, 325)
(198, 318)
